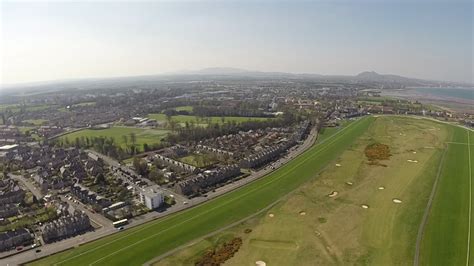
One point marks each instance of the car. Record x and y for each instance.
(38, 250)
(185, 202)
(33, 246)
(19, 248)
(120, 228)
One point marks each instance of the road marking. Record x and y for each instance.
(470, 200)
(169, 217)
(460, 143)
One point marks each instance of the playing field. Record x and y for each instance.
(205, 120)
(141, 244)
(149, 136)
(316, 229)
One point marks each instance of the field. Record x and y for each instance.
(141, 244)
(448, 232)
(311, 228)
(198, 160)
(149, 136)
(36, 122)
(184, 108)
(15, 108)
(205, 120)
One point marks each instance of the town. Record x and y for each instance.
(78, 165)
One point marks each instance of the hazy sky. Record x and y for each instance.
(59, 40)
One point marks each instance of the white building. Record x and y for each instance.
(152, 197)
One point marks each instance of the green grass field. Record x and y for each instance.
(142, 243)
(198, 160)
(15, 108)
(149, 136)
(337, 231)
(184, 108)
(447, 239)
(204, 121)
(36, 122)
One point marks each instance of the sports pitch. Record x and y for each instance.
(141, 244)
(148, 136)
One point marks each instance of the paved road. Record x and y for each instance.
(28, 184)
(179, 206)
(116, 165)
(97, 218)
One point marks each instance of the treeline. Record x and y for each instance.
(191, 132)
(228, 111)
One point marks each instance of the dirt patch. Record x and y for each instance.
(248, 231)
(220, 255)
(333, 194)
(322, 220)
(376, 152)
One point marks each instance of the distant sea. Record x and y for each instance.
(460, 93)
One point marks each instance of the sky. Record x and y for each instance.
(57, 40)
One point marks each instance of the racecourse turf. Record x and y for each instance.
(140, 244)
(447, 237)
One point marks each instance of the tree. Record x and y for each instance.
(99, 179)
(155, 176)
(140, 166)
(133, 138)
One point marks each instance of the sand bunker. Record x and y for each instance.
(381, 188)
(333, 194)
(397, 201)
(271, 215)
(338, 165)
(429, 147)
(364, 206)
(260, 263)
(412, 161)
(349, 183)
(302, 213)
(414, 152)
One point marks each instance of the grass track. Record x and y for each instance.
(448, 231)
(140, 244)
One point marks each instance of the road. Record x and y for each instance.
(53, 248)
(28, 184)
(116, 165)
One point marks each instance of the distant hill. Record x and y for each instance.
(374, 79)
